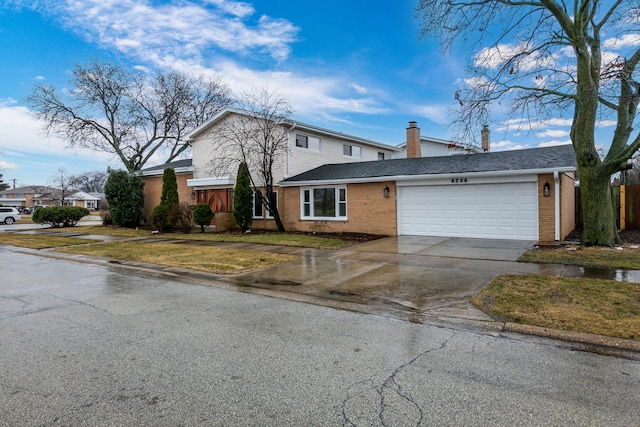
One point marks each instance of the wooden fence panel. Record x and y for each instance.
(632, 208)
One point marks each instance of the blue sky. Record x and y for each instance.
(352, 66)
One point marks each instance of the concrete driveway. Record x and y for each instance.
(410, 277)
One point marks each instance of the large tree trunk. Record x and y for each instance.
(599, 226)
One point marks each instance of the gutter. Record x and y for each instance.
(406, 178)
(556, 181)
(293, 126)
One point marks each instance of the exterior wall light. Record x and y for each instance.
(385, 192)
(546, 190)
(193, 195)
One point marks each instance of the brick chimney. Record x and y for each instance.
(413, 141)
(486, 139)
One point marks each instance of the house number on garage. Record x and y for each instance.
(458, 180)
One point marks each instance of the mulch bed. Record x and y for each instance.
(626, 236)
(348, 237)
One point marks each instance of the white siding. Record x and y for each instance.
(331, 151)
(428, 149)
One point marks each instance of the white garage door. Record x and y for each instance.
(497, 211)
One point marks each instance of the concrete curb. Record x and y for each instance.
(593, 340)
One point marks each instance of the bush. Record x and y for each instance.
(243, 198)
(106, 217)
(183, 216)
(125, 195)
(160, 217)
(202, 215)
(59, 216)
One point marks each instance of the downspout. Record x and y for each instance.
(293, 126)
(556, 180)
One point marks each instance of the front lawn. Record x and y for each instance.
(203, 258)
(267, 238)
(595, 306)
(625, 257)
(40, 241)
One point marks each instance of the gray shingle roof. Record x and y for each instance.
(555, 157)
(185, 163)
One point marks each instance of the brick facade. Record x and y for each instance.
(546, 207)
(153, 191)
(368, 211)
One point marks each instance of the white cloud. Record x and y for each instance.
(516, 124)
(617, 43)
(360, 89)
(525, 59)
(21, 132)
(239, 9)
(178, 29)
(552, 133)
(39, 78)
(506, 145)
(436, 113)
(316, 97)
(4, 165)
(554, 142)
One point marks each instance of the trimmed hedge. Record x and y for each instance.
(59, 216)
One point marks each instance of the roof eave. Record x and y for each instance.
(400, 178)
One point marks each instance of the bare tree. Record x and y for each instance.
(129, 115)
(559, 66)
(257, 136)
(92, 182)
(65, 185)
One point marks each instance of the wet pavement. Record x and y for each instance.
(408, 277)
(85, 345)
(412, 278)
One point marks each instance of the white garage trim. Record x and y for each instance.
(499, 210)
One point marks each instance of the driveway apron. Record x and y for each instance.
(410, 277)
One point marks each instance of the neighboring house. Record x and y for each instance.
(23, 197)
(81, 199)
(152, 178)
(521, 194)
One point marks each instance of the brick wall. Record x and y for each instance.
(153, 191)
(546, 209)
(567, 205)
(368, 211)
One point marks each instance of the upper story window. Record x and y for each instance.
(380, 155)
(308, 142)
(351, 150)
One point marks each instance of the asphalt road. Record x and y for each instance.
(85, 345)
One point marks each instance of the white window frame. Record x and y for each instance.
(339, 190)
(253, 206)
(354, 151)
(307, 147)
(269, 215)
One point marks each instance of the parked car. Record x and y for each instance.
(27, 211)
(9, 215)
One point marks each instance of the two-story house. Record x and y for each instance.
(334, 182)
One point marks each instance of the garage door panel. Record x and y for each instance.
(501, 210)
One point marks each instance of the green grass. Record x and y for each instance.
(627, 258)
(203, 258)
(594, 306)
